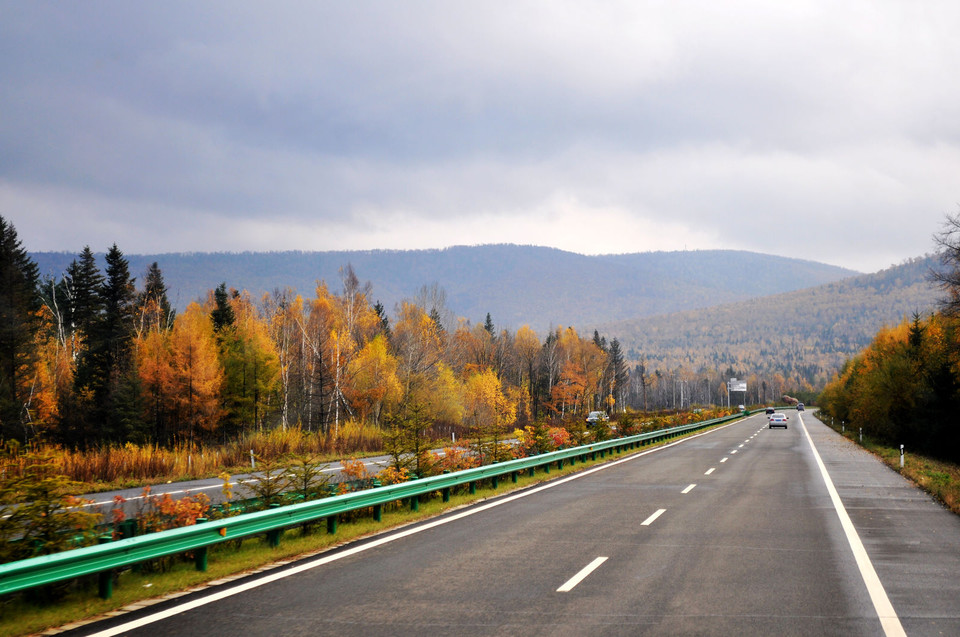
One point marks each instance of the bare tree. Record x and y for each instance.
(948, 277)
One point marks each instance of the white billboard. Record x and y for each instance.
(736, 385)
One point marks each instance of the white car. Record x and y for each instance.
(778, 420)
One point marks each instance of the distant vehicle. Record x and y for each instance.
(778, 420)
(799, 406)
(770, 410)
(596, 417)
(741, 408)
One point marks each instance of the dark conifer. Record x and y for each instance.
(222, 314)
(19, 322)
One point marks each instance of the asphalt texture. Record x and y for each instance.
(731, 532)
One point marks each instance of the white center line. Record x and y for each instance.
(733, 452)
(740, 447)
(724, 460)
(710, 470)
(653, 517)
(689, 489)
(579, 577)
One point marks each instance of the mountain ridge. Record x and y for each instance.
(517, 285)
(806, 333)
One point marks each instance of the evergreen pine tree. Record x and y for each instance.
(84, 282)
(110, 353)
(383, 318)
(617, 371)
(488, 325)
(222, 314)
(19, 322)
(153, 305)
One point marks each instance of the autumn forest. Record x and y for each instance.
(93, 357)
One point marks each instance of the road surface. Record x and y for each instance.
(730, 532)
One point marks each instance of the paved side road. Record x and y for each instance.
(913, 541)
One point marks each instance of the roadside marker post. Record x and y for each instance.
(901, 456)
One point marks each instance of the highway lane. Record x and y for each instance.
(729, 532)
(103, 502)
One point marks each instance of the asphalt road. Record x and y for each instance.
(103, 502)
(731, 532)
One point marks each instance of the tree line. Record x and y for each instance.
(904, 387)
(90, 357)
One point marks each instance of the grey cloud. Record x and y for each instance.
(725, 117)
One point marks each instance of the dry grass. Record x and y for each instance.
(113, 466)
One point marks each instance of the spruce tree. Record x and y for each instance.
(488, 325)
(153, 305)
(381, 313)
(110, 396)
(618, 373)
(19, 322)
(84, 282)
(222, 314)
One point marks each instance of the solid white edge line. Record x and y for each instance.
(579, 577)
(326, 559)
(881, 603)
(689, 489)
(653, 517)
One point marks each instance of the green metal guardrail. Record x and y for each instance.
(104, 559)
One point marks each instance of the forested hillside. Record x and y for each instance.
(517, 285)
(804, 336)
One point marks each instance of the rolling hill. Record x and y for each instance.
(515, 284)
(805, 333)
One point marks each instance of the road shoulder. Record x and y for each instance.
(911, 539)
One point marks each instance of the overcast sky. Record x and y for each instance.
(823, 130)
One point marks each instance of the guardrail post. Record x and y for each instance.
(446, 494)
(200, 554)
(560, 464)
(332, 523)
(273, 537)
(514, 476)
(378, 512)
(532, 471)
(473, 487)
(128, 528)
(105, 578)
(593, 455)
(546, 467)
(414, 503)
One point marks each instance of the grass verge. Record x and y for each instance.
(21, 616)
